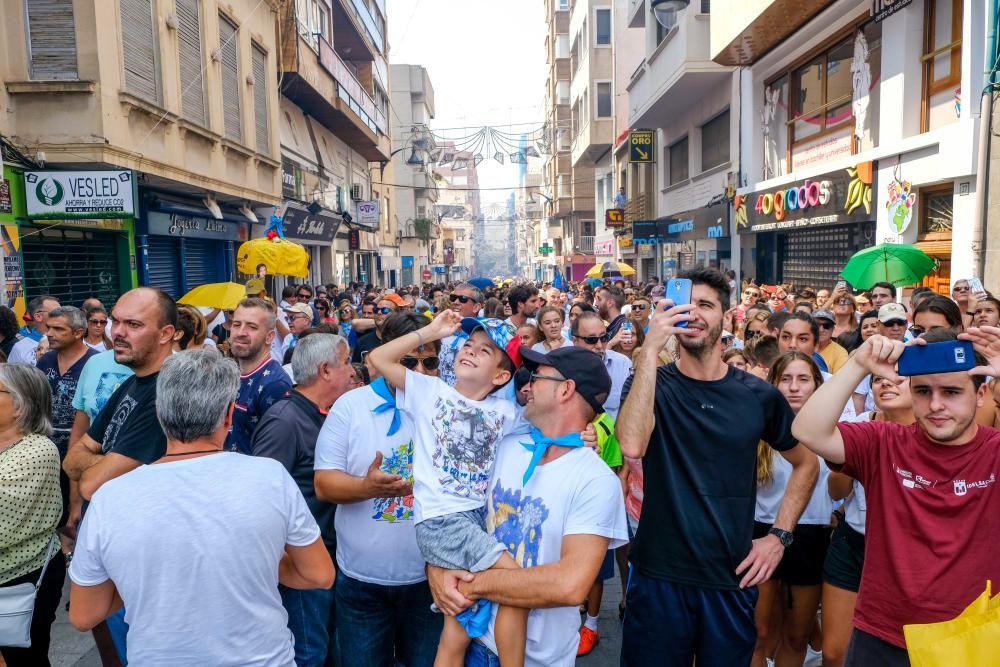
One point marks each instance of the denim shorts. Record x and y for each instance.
(458, 541)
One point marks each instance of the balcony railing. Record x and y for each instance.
(637, 208)
(585, 245)
(350, 90)
(368, 21)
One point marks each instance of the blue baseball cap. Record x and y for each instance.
(502, 334)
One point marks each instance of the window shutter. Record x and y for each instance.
(51, 39)
(229, 50)
(260, 79)
(139, 49)
(191, 61)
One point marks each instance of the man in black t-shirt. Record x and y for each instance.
(126, 433)
(373, 338)
(696, 425)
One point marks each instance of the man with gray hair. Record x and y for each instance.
(25, 351)
(183, 572)
(62, 365)
(288, 433)
(466, 300)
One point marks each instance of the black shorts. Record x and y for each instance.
(845, 558)
(802, 564)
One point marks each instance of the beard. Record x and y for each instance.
(706, 343)
(250, 351)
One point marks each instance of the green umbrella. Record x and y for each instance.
(896, 263)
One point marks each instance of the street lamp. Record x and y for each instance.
(665, 11)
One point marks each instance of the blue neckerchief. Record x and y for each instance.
(541, 444)
(476, 619)
(381, 390)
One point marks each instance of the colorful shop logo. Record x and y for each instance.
(809, 195)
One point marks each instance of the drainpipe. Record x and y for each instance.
(982, 162)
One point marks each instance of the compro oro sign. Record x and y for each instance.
(79, 194)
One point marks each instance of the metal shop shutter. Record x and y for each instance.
(71, 265)
(815, 257)
(203, 263)
(164, 257)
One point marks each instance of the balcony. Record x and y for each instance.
(677, 73)
(355, 27)
(637, 208)
(322, 85)
(593, 141)
(584, 245)
(637, 13)
(744, 31)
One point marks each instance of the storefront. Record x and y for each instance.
(181, 246)
(315, 230)
(682, 241)
(804, 232)
(76, 237)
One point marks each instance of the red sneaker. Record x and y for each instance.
(588, 640)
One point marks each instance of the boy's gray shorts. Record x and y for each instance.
(458, 541)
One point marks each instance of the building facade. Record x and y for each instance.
(856, 129)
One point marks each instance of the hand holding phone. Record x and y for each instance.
(945, 357)
(977, 289)
(679, 291)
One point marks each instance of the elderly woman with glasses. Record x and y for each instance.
(30, 503)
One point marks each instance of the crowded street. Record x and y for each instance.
(541, 333)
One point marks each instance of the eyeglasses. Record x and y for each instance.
(383, 310)
(305, 296)
(344, 313)
(593, 340)
(751, 293)
(460, 298)
(825, 324)
(536, 376)
(845, 302)
(101, 322)
(429, 363)
(956, 288)
(639, 306)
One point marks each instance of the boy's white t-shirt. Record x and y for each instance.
(454, 444)
(376, 542)
(192, 546)
(576, 494)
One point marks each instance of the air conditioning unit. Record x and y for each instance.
(356, 193)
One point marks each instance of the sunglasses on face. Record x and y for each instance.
(961, 289)
(345, 313)
(461, 299)
(825, 324)
(305, 296)
(902, 323)
(100, 322)
(536, 376)
(751, 293)
(429, 363)
(383, 311)
(845, 302)
(639, 306)
(593, 340)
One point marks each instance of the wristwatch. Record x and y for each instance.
(785, 537)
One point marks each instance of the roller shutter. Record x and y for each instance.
(71, 265)
(815, 257)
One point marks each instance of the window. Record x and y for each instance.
(942, 63)
(563, 4)
(715, 141)
(191, 61)
(261, 123)
(230, 61)
(562, 92)
(323, 21)
(604, 99)
(678, 161)
(821, 92)
(51, 39)
(603, 26)
(936, 216)
(139, 49)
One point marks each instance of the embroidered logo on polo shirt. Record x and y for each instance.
(962, 487)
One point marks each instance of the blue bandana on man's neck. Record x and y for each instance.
(542, 443)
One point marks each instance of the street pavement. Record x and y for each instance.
(70, 648)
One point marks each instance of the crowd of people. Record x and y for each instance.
(445, 475)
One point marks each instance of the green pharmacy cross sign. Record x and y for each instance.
(545, 249)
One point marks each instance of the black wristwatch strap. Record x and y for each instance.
(785, 537)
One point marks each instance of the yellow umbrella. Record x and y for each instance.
(610, 270)
(224, 296)
(278, 257)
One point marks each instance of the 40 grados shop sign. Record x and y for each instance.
(836, 198)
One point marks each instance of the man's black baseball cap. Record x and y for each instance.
(585, 368)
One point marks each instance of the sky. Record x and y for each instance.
(486, 61)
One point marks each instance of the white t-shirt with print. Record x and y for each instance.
(454, 444)
(376, 542)
(192, 547)
(576, 494)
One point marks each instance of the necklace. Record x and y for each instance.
(200, 451)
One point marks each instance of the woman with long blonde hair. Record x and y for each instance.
(786, 607)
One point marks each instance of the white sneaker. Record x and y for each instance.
(814, 658)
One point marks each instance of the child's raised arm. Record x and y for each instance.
(385, 358)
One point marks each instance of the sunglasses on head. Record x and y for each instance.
(429, 363)
(593, 340)
(460, 298)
